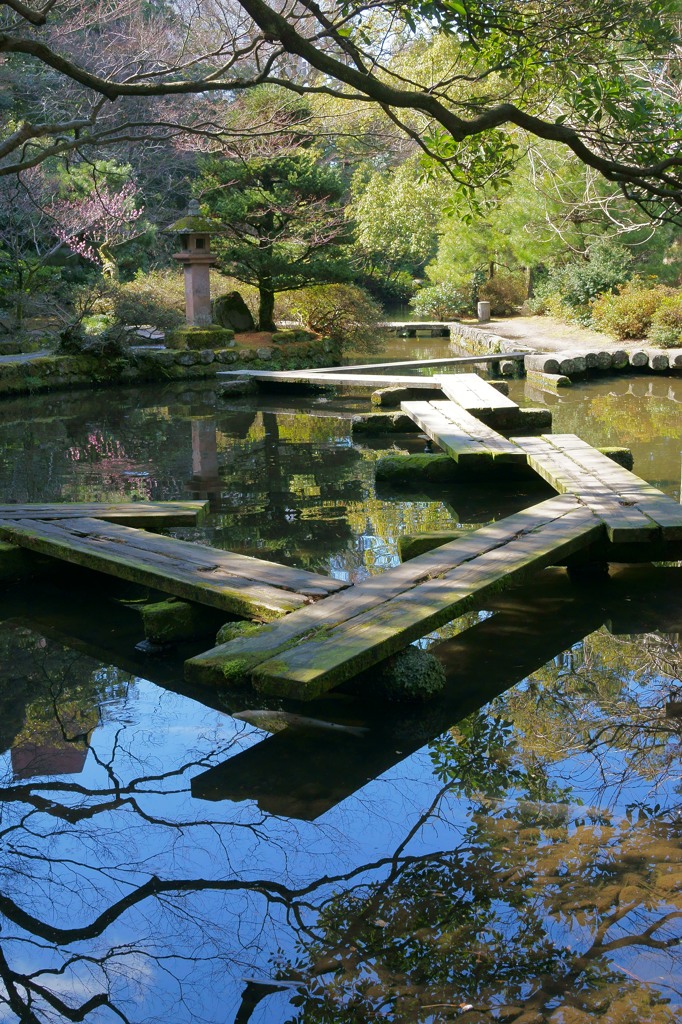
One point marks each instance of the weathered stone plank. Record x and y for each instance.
(452, 438)
(624, 523)
(216, 588)
(334, 379)
(322, 662)
(649, 500)
(474, 394)
(234, 662)
(206, 559)
(501, 448)
(133, 513)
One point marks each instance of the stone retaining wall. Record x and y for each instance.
(53, 373)
(480, 342)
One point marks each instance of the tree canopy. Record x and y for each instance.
(600, 79)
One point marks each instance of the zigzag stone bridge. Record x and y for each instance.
(317, 632)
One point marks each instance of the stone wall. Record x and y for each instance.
(479, 342)
(53, 373)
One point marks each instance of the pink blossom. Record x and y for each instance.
(104, 218)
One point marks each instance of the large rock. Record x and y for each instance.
(231, 311)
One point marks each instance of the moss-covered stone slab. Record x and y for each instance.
(547, 381)
(531, 421)
(619, 454)
(492, 558)
(172, 621)
(232, 630)
(478, 397)
(632, 509)
(411, 545)
(390, 397)
(413, 470)
(632, 495)
(378, 423)
(411, 676)
(462, 436)
(267, 657)
(211, 337)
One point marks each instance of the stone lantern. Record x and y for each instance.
(195, 254)
(194, 234)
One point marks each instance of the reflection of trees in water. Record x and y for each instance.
(530, 917)
(50, 695)
(123, 900)
(608, 694)
(539, 913)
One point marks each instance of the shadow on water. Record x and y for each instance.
(510, 852)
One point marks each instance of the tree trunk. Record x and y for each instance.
(266, 307)
(109, 264)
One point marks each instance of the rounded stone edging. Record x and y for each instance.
(55, 372)
(573, 362)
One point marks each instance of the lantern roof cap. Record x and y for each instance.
(193, 223)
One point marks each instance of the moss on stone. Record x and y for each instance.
(411, 676)
(384, 422)
(391, 396)
(412, 545)
(50, 373)
(192, 225)
(292, 336)
(235, 630)
(14, 561)
(230, 311)
(623, 456)
(213, 336)
(415, 469)
(173, 620)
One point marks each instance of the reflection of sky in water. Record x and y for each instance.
(148, 746)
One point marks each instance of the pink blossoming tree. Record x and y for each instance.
(93, 226)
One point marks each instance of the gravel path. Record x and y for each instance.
(550, 335)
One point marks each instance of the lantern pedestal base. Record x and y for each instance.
(212, 336)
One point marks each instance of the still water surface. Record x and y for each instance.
(511, 852)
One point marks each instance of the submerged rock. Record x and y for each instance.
(411, 676)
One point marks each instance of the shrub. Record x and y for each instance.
(505, 293)
(342, 312)
(666, 323)
(156, 298)
(443, 301)
(607, 265)
(629, 312)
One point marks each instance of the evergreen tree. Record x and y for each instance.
(282, 223)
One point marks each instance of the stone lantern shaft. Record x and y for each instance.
(195, 255)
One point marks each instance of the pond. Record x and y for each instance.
(510, 852)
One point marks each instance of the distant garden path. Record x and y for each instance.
(550, 335)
